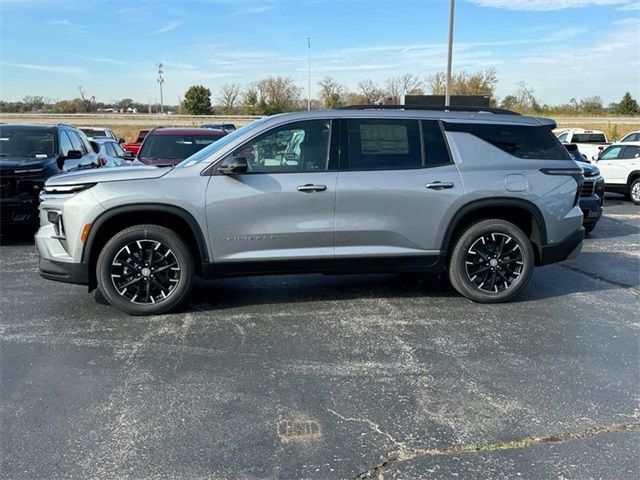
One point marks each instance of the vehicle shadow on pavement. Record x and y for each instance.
(229, 293)
(614, 228)
(16, 236)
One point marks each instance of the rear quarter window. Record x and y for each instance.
(522, 141)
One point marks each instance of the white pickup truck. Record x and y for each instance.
(589, 142)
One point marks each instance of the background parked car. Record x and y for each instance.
(631, 137)
(29, 154)
(620, 167)
(110, 152)
(592, 191)
(169, 146)
(590, 142)
(227, 127)
(134, 147)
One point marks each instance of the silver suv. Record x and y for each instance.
(484, 195)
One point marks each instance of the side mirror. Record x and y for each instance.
(129, 156)
(234, 166)
(122, 141)
(73, 155)
(596, 157)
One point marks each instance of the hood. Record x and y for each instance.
(25, 162)
(107, 175)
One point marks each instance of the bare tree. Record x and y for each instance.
(331, 92)
(271, 95)
(228, 97)
(410, 84)
(369, 91)
(463, 83)
(392, 87)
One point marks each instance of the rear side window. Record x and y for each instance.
(384, 144)
(631, 152)
(517, 140)
(435, 148)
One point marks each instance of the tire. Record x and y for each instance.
(145, 270)
(634, 191)
(475, 271)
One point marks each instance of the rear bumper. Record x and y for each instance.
(567, 248)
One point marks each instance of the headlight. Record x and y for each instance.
(67, 188)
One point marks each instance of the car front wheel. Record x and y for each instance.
(492, 261)
(145, 270)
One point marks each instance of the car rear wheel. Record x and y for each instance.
(145, 270)
(492, 261)
(634, 191)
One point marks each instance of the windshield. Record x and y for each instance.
(223, 142)
(26, 142)
(173, 147)
(93, 133)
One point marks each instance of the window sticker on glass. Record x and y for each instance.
(384, 139)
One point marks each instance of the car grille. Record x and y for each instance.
(8, 186)
(587, 188)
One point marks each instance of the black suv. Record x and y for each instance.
(592, 190)
(29, 155)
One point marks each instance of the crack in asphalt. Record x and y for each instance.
(595, 276)
(403, 453)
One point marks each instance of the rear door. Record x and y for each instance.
(396, 189)
(282, 209)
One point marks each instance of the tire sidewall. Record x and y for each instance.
(467, 239)
(636, 181)
(145, 232)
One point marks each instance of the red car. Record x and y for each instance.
(169, 146)
(134, 147)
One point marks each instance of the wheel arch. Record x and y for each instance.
(635, 174)
(522, 213)
(119, 218)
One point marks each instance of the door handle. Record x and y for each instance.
(439, 185)
(309, 187)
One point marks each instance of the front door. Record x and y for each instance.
(282, 209)
(396, 189)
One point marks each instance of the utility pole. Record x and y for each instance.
(309, 75)
(447, 93)
(160, 82)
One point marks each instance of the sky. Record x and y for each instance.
(562, 49)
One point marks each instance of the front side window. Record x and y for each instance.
(76, 142)
(521, 141)
(65, 143)
(631, 152)
(384, 144)
(296, 147)
(611, 153)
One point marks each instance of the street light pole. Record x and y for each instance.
(309, 75)
(160, 82)
(447, 93)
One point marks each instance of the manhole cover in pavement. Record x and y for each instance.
(298, 430)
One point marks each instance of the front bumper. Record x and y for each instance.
(19, 210)
(566, 249)
(591, 207)
(54, 263)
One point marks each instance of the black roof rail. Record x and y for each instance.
(60, 124)
(497, 111)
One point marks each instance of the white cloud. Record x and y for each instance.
(630, 7)
(169, 27)
(46, 68)
(544, 5)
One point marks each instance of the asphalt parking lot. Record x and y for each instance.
(329, 377)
